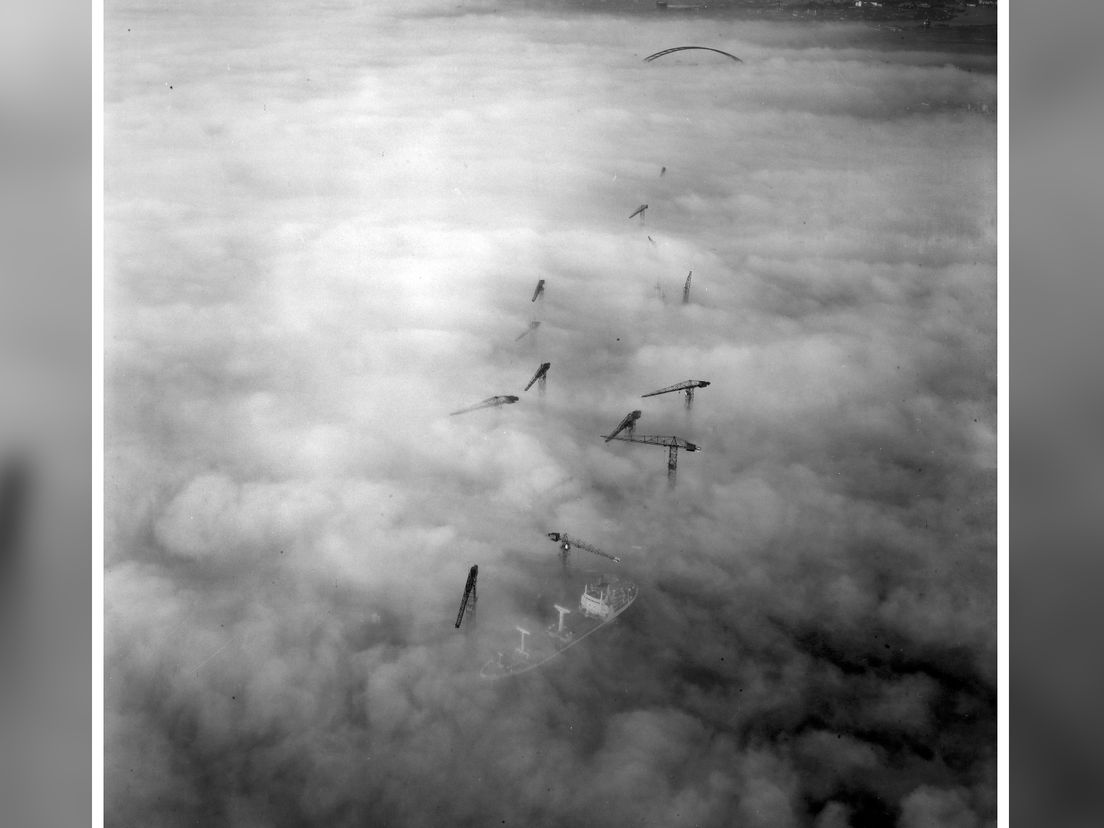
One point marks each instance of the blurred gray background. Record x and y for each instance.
(1055, 386)
(45, 414)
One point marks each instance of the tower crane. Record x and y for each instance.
(639, 211)
(567, 543)
(686, 289)
(629, 422)
(541, 376)
(532, 327)
(469, 592)
(490, 402)
(673, 444)
(538, 291)
(686, 385)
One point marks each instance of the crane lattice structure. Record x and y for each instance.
(673, 445)
(533, 325)
(540, 377)
(490, 402)
(686, 289)
(686, 385)
(567, 543)
(628, 423)
(469, 599)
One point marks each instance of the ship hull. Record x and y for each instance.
(553, 641)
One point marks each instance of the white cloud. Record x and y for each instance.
(324, 238)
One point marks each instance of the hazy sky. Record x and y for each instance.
(324, 223)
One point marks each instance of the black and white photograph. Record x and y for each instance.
(550, 413)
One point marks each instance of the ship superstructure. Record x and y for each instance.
(604, 600)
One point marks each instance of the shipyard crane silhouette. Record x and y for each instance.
(532, 327)
(686, 385)
(686, 289)
(628, 423)
(540, 377)
(567, 543)
(639, 211)
(673, 444)
(538, 291)
(490, 402)
(469, 599)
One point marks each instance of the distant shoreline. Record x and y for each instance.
(919, 13)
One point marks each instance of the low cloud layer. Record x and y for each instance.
(324, 228)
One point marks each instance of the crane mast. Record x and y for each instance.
(469, 593)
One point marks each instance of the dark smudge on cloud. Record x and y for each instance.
(325, 239)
